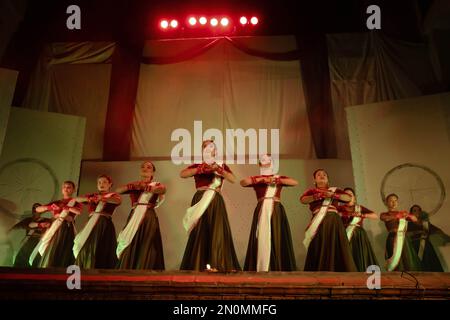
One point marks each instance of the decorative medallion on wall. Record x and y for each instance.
(23, 182)
(414, 184)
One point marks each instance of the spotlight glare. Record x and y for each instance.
(214, 22)
(164, 24)
(174, 23)
(243, 20)
(202, 20)
(192, 21)
(224, 22)
(254, 20)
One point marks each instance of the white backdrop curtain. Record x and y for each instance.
(225, 89)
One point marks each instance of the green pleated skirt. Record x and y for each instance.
(22, 257)
(362, 252)
(145, 252)
(329, 250)
(409, 260)
(59, 252)
(99, 250)
(430, 261)
(210, 241)
(282, 257)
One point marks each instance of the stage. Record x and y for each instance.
(50, 284)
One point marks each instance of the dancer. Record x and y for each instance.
(400, 253)
(210, 242)
(95, 245)
(55, 246)
(35, 226)
(270, 243)
(139, 244)
(353, 215)
(325, 237)
(420, 232)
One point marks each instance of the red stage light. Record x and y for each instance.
(254, 20)
(164, 24)
(174, 23)
(214, 22)
(203, 20)
(224, 22)
(243, 20)
(192, 21)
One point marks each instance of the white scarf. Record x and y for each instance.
(127, 234)
(194, 213)
(399, 241)
(82, 237)
(354, 223)
(317, 220)
(44, 242)
(263, 231)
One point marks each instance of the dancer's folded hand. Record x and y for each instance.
(53, 207)
(317, 195)
(219, 169)
(94, 198)
(402, 214)
(44, 225)
(326, 194)
(142, 185)
(267, 180)
(205, 168)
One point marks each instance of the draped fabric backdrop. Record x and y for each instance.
(370, 67)
(215, 82)
(240, 82)
(74, 78)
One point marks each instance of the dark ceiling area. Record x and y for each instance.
(134, 20)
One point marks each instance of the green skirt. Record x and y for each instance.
(282, 257)
(22, 257)
(146, 250)
(99, 250)
(59, 252)
(329, 250)
(210, 241)
(430, 260)
(409, 260)
(362, 251)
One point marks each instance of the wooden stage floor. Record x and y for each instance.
(43, 284)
